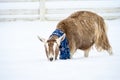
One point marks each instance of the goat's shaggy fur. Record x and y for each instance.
(83, 29)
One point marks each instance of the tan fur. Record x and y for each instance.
(83, 29)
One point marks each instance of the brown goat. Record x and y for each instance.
(82, 29)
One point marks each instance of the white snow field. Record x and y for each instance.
(22, 55)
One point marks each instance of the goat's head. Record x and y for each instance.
(52, 46)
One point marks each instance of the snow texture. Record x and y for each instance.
(22, 55)
(57, 4)
(83, 4)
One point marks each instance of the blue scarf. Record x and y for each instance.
(64, 46)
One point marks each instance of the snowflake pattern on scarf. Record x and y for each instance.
(64, 45)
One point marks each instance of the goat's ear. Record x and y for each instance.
(41, 39)
(60, 39)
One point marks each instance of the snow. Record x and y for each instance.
(83, 4)
(55, 5)
(22, 55)
(19, 5)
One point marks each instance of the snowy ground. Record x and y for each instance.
(22, 55)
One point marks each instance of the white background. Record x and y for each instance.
(22, 55)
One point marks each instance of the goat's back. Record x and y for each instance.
(80, 29)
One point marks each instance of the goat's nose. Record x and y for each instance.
(51, 59)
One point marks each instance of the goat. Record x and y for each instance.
(81, 30)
